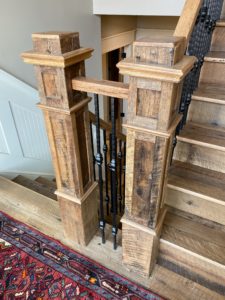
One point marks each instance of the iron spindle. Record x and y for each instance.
(105, 151)
(120, 175)
(92, 149)
(113, 169)
(99, 161)
(124, 173)
(199, 46)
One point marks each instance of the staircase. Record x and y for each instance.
(193, 238)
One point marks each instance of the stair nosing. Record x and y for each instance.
(207, 99)
(199, 143)
(199, 195)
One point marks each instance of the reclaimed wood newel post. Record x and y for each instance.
(58, 58)
(156, 72)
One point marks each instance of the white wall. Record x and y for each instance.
(140, 7)
(19, 19)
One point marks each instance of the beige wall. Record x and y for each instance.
(160, 22)
(19, 19)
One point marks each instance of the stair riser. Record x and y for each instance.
(207, 113)
(218, 40)
(196, 205)
(192, 266)
(201, 156)
(213, 73)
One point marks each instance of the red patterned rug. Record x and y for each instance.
(36, 267)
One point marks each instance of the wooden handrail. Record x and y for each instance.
(101, 87)
(187, 19)
(107, 126)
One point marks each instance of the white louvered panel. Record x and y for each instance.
(31, 132)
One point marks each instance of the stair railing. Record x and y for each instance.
(198, 45)
(156, 71)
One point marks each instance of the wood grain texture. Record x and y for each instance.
(164, 282)
(187, 20)
(206, 136)
(35, 186)
(146, 161)
(101, 87)
(210, 93)
(197, 190)
(139, 248)
(80, 221)
(201, 156)
(58, 58)
(170, 74)
(191, 249)
(216, 71)
(218, 37)
(165, 51)
(207, 113)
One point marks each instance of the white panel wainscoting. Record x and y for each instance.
(24, 147)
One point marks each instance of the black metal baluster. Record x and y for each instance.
(105, 151)
(199, 46)
(93, 154)
(124, 172)
(99, 161)
(120, 175)
(113, 169)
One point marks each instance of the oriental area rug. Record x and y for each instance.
(36, 267)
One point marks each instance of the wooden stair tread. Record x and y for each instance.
(215, 56)
(27, 199)
(198, 238)
(206, 136)
(196, 180)
(220, 23)
(47, 183)
(35, 186)
(210, 93)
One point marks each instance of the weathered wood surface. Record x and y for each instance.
(216, 71)
(36, 186)
(101, 87)
(146, 161)
(197, 190)
(218, 37)
(206, 136)
(164, 282)
(187, 20)
(47, 183)
(169, 74)
(155, 50)
(58, 58)
(208, 158)
(194, 250)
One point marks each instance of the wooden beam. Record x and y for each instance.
(187, 19)
(101, 87)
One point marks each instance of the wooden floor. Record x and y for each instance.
(43, 214)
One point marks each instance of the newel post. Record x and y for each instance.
(58, 58)
(156, 72)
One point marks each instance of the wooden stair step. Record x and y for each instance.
(220, 23)
(194, 250)
(197, 190)
(210, 93)
(215, 56)
(35, 186)
(51, 185)
(194, 179)
(25, 199)
(206, 136)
